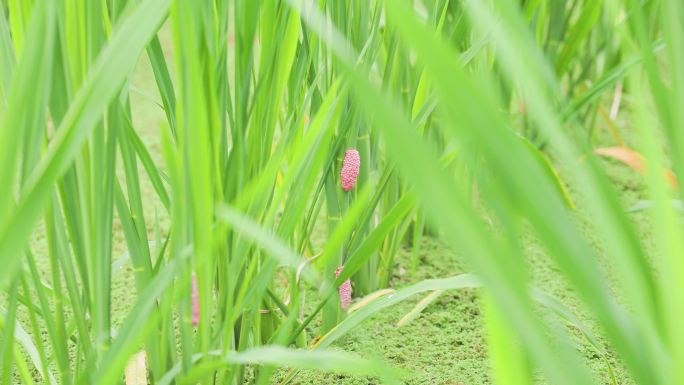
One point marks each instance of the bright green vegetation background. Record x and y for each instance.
(446, 345)
(477, 123)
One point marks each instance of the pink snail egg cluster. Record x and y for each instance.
(345, 289)
(195, 301)
(350, 169)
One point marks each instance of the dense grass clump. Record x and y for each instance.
(221, 192)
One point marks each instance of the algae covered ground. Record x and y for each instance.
(445, 345)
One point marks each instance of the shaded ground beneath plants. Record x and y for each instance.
(446, 344)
